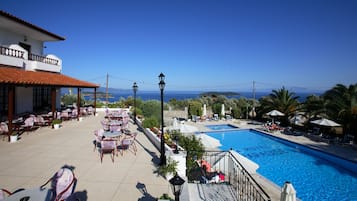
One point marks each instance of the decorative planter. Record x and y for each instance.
(56, 126)
(13, 138)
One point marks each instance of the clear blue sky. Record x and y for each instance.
(201, 45)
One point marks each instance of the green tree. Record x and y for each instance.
(216, 108)
(151, 108)
(194, 108)
(341, 105)
(282, 100)
(69, 99)
(193, 146)
(314, 106)
(150, 122)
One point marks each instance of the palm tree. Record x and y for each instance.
(314, 106)
(282, 100)
(341, 105)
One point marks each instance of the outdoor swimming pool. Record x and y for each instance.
(313, 177)
(221, 127)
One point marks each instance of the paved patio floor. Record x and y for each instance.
(32, 160)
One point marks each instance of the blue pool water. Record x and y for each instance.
(221, 127)
(313, 177)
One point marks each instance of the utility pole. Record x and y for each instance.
(106, 89)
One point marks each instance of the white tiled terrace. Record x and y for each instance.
(32, 160)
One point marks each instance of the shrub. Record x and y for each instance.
(150, 122)
(194, 108)
(56, 121)
(152, 109)
(170, 167)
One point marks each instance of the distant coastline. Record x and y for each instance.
(182, 95)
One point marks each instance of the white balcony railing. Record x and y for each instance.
(22, 59)
(11, 52)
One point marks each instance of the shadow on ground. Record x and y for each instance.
(146, 196)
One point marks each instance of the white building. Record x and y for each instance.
(29, 80)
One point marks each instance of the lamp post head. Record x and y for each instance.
(135, 87)
(176, 184)
(161, 77)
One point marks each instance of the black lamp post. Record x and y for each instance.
(176, 185)
(135, 89)
(162, 86)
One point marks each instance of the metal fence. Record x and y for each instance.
(243, 184)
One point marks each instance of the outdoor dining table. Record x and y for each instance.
(110, 134)
(34, 194)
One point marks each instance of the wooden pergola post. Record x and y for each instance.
(95, 101)
(78, 102)
(10, 112)
(53, 102)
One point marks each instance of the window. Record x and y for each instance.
(3, 102)
(41, 98)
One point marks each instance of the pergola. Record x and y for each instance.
(13, 77)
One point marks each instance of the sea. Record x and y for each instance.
(182, 95)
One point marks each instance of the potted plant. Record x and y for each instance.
(56, 123)
(169, 169)
(14, 136)
(165, 197)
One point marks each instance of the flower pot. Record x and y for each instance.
(13, 138)
(56, 126)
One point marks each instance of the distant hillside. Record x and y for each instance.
(100, 89)
(214, 93)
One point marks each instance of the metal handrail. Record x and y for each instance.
(243, 183)
(255, 183)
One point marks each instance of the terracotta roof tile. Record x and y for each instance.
(9, 75)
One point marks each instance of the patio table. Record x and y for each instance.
(34, 194)
(110, 134)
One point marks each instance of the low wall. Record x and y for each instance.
(180, 158)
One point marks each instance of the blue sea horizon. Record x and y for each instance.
(182, 95)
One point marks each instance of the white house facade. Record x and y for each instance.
(29, 80)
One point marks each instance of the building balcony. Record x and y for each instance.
(17, 56)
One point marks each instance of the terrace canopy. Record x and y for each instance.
(13, 77)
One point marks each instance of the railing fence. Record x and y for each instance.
(244, 185)
(11, 52)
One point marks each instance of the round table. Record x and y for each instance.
(110, 134)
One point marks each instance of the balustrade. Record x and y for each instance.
(11, 52)
(43, 59)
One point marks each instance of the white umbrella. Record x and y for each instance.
(204, 110)
(325, 122)
(208, 141)
(288, 192)
(252, 113)
(275, 113)
(223, 111)
(298, 119)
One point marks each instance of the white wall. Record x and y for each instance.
(7, 38)
(24, 101)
